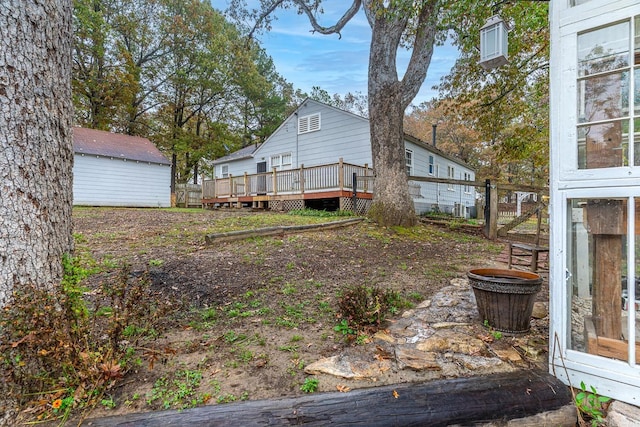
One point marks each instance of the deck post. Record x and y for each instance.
(231, 189)
(246, 184)
(366, 181)
(275, 180)
(215, 187)
(491, 210)
(340, 174)
(355, 193)
(302, 178)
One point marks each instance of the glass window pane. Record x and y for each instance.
(604, 49)
(636, 56)
(602, 146)
(597, 263)
(636, 98)
(490, 42)
(603, 97)
(636, 142)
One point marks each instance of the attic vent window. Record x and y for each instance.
(310, 123)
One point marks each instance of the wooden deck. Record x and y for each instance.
(289, 189)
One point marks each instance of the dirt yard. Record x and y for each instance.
(246, 317)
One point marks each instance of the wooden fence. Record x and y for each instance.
(189, 195)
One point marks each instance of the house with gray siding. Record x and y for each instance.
(119, 170)
(319, 135)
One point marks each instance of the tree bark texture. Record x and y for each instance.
(389, 97)
(392, 204)
(36, 155)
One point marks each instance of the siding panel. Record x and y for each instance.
(101, 181)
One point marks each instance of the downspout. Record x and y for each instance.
(297, 133)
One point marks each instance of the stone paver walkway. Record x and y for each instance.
(442, 338)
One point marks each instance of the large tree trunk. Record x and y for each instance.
(392, 204)
(36, 157)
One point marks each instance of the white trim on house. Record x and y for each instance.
(408, 160)
(467, 188)
(281, 161)
(224, 171)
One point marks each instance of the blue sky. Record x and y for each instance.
(337, 65)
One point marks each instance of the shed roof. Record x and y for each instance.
(116, 145)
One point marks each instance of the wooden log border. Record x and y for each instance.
(277, 231)
(492, 398)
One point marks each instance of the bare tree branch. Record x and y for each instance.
(309, 11)
(339, 25)
(263, 15)
(422, 51)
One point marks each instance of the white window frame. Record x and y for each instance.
(408, 161)
(431, 164)
(451, 174)
(224, 171)
(467, 188)
(282, 161)
(617, 379)
(309, 123)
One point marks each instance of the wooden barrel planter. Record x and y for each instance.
(505, 297)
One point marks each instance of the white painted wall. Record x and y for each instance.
(102, 181)
(341, 135)
(444, 196)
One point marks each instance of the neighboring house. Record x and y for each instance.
(119, 170)
(317, 135)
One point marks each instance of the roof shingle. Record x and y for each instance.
(107, 144)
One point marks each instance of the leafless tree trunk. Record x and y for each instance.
(36, 157)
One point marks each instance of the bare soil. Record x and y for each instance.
(247, 316)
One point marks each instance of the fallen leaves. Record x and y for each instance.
(111, 370)
(343, 388)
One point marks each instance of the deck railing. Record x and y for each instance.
(336, 176)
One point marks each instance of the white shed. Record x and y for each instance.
(119, 170)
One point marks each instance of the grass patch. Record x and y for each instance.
(321, 213)
(178, 391)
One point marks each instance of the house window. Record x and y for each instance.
(431, 165)
(408, 158)
(451, 174)
(310, 123)
(467, 188)
(224, 171)
(281, 161)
